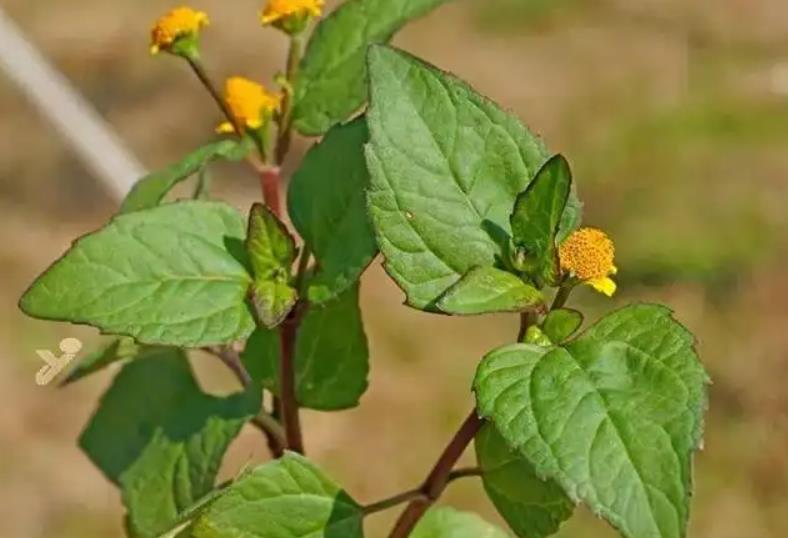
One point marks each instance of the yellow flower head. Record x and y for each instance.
(588, 255)
(280, 12)
(181, 22)
(250, 103)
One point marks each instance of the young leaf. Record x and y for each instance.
(446, 522)
(270, 246)
(537, 216)
(332, 81)
(286, 498)
(561, 323)
(613, 416)
(487, 289)
(149, 191)
(120, 349)
(532, 507)
(272, 252)
(273, 301)
(328, 205)
(446, 165)
(331, 355)
(161, 439)
(169, 275)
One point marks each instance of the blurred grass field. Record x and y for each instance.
(674, 116)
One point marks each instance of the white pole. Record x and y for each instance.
(72, 116)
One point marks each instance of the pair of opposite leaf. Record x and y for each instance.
(272, 252)
(535, 221)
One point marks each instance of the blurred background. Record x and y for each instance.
(674, 115)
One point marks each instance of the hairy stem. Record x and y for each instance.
(439, 477)
(206, 81)
(269, 185)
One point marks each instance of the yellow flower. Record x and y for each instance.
(588, 255)
(278, 12)
(249, 102)
(181, 22)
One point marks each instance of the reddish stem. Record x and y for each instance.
(269, 183)
(438, 478)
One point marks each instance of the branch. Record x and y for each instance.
(438, 478)
(287, 392)
(416, 493)
(264, 422)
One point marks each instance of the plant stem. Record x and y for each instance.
(438, 478)
(411, 494)
(233, 361)
(274, 433)
(199, 70)
(286, 118)
(268, 425)
(526, 320)
(287, 389)
(562, 295)
(269, 184)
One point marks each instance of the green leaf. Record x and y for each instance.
(285, 498)
(327, 202)
(613, 416)
(331, 355)
(169, 275)
(446, 166)
(332, 80)
(149, 191)
(273, 301)
(270, 246)
(272, 252)
(161, 439)
(120, 349)
(537, 216)
(561, 323)
(446, 522)
(533, 508)
(487, 289)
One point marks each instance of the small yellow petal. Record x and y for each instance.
(603, 285)
(613, 270)
(225, 128)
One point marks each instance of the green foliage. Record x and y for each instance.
(332, 81)
(561, 323)
(287, 498)
(467, 208)
(327, 203)
(446, 522)
(272, 252)
(532, 507)
(446, 165)
(149, 191)
(538, 214)
(169, 275)
(161, 439)
(120, 349)
(623, 402)
(487, 289)
(331, 355)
